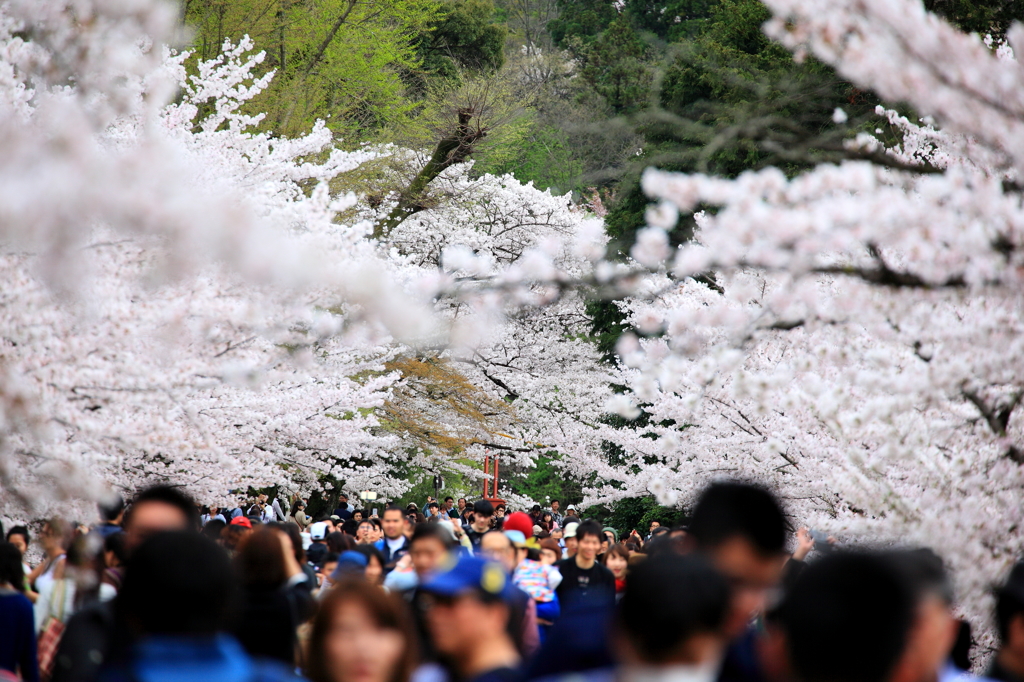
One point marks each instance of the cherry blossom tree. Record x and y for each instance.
(851, 336)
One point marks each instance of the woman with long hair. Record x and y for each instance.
(616, 560)
(274, 602)
(17, 624)
(361, 634)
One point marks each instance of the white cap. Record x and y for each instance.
(318, 531)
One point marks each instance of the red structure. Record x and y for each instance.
(491, 484)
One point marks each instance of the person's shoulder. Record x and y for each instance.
(598, 675)
(266, 670)
(16, 601)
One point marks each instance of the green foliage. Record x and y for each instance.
(672, 20)
(615, 65)
(543, 482)
(464, 37)
(581, 18)
(636, 513)
(983, 17)
(541, 154)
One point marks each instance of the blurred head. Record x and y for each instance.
(111, 509)
(11, 571)
(326, 568)
(462, 503)
(339, 542)
(466, 608)
(496, 546)
(56, 535)
(1010, 613)
(589, 538)
(550, 552)
(366, 532)
(935, 628)
(361, 634)
(180, 583)
(157, 509)
(374, 571)
(617, 560)
(673, 613)
(847, 618)
(429, 545)
(482, 513)
(19, 537)
(260, 561)
(554, 506)
(394, 522)
(742, 529)
(115, 550)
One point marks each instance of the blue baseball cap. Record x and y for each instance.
(470, 574)
(350, 563)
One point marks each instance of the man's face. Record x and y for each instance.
(655, 524)
(365, 533)
(448, 504)
(394, 523)
(456, 623)
(481, 522)
(929, 642)
(588, 546)
(554, 506)
(751, 575)
(327, 571)
(150, 518)
(426, 554)
(571, 545)
(497, 547)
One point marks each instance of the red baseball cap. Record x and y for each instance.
(241, 521)
(521, 522)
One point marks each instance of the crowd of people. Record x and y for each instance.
(162, 590)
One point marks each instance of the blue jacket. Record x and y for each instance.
(18, 636)
(217, 658)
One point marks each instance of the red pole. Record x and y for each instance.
(495, 485)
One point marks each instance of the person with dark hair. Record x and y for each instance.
(394, 545)
(157, 509)
(20, 538)
(324, 570)
(428, 548)
(366, 532)
(468, 613)
(556, 517)
(111, 513)
(741, 528)
(374, 571)
(616, 560)
(1008, 663)
(339, 542)
(848, 618)
(17, 623)
(273, 594)
(343, 511)
(361, 634)
(176, 602)
(480, 522)
(926, 657)
(584, 581)
(671, 621)
(214, 529)
(95, 632)
(115, 558)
